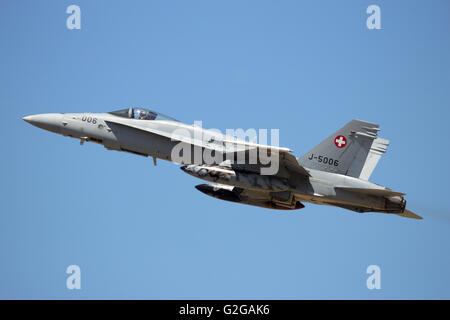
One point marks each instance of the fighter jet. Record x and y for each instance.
(335, 173)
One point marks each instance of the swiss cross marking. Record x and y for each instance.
(340, 141)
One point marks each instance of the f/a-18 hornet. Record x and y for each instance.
(336, 172)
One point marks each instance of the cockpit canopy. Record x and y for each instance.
(141, 114)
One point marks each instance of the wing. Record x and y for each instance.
(291, 163)
(225, 145)
(287, 163)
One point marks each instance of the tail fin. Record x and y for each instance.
(354, 150)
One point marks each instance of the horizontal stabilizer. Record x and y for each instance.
(373, 192)
(409, 214)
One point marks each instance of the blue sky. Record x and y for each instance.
(145, 232)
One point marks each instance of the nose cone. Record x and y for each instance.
(27, 119)
(205, 188)
(47, 121)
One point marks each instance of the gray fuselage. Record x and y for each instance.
(155, 139)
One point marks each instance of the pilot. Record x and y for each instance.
(143, 115)
(136, 113)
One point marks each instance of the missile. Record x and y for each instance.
(228, 176)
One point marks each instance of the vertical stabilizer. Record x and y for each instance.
(379, 146)
(353, 150)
